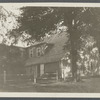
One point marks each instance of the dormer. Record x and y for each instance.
(39, 49)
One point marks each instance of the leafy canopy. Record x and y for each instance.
(37, 21)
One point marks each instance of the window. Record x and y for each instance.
(38, 51)
(31, 52)
(42, 50)
(45, 46)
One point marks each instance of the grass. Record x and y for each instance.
(87, 85)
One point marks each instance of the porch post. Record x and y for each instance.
(34, 80)
(57, 75)
(61, 67)
(35, 74)
(4, 77)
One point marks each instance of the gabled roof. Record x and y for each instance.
(55, 53)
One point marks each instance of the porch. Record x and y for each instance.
(44, 73)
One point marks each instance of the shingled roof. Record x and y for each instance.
(55, 53)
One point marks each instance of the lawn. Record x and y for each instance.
(88, 85)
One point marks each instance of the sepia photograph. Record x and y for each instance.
(49, 48)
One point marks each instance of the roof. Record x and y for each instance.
(55, 53)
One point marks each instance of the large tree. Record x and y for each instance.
(36, 21)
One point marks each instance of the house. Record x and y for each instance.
(48, 57)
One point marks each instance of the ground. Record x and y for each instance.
(87, 85)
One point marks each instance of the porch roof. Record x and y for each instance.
(44, 59)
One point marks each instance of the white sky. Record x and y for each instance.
(13, 8)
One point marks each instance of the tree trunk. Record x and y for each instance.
(74, 44)
(73, 55)
(74, 37)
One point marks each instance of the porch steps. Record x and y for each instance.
(46, 81)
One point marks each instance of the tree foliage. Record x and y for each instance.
(7, 23)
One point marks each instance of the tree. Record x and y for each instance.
(7, 23)
(10, 56)
(36, 21)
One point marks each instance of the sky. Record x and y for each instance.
(14, 9)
